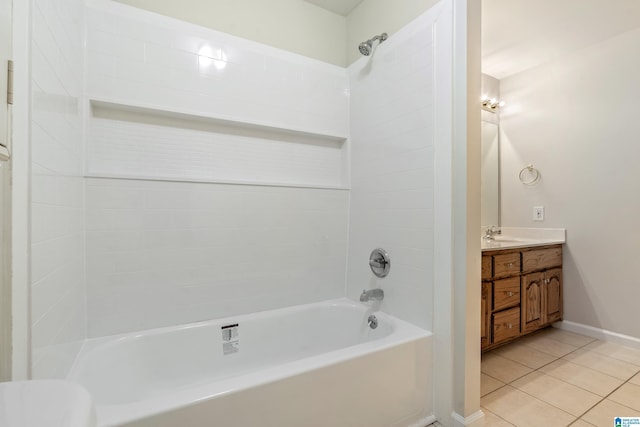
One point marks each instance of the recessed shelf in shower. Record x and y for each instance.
(149, 142)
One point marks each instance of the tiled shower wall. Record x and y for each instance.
(57, 240)
(143, 58)
(164, 252)
(394, 116)
(167, 253)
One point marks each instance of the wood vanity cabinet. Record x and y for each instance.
(485, 326)
(541, 299)
(521, 292)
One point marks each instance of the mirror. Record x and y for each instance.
(490, 175)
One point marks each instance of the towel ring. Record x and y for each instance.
(529, 175)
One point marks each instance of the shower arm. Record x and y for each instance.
(382, 37)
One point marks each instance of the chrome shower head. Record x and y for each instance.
(367, 46)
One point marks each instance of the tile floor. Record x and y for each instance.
(558, 378)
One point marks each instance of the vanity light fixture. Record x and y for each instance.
(491, 104)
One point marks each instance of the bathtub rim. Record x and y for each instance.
(401, 333)
(97, 343)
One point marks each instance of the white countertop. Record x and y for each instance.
(517, 237)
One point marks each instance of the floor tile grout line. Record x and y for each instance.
(605, 398)
(502, 386)
(579, 419)
(519, 377)
(562, 357)
(597, 370)
(604, 354)
(616, 358)
(572, 345)
(498, 416)
(530, 395)
(613, 357)
(579, 347)
(510, 360)
(492, 377)
(543, 401)
(569, 361)
(543, 373)
(556, 358)
(585, 367)
(542, 351)
(532, 369)
(624, 380)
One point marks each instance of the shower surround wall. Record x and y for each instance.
(168, 253)
(169, 234)
(172, 236)
(58, 320)
(192, 238)
(393, 123)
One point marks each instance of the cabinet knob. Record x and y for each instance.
(509, 325)
(509, 294)
(509, 264)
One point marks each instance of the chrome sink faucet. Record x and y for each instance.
(491, 232)
(372, 295)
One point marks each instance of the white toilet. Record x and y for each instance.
(45, 403)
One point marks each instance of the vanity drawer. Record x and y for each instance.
(541, 258)
(506, 293)
(506, 265)
(486, 268)
(506, 325)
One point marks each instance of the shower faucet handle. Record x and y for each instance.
(378, 262)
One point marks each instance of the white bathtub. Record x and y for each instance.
(310, 365)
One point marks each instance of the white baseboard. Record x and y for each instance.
(601, 334)
(474, 420)
(424, 422)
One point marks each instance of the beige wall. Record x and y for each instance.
(466, 214)
(373, 17)
(576, 120)
(293, 25)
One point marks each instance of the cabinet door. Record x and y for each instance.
(485, 311)
(532, 300)
(553, 295)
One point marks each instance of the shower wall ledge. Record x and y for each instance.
(214, 181)
(267, 129)
(148, 142)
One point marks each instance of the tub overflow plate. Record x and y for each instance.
(379, 262)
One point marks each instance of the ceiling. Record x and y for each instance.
(521, 34)
(341, 7)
